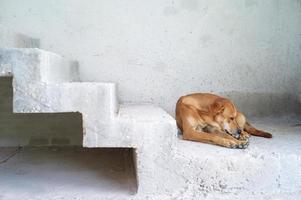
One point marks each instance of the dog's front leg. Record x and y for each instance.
(217, 138)
(244, 135)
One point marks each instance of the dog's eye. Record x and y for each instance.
(232, 118)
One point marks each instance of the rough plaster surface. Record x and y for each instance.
(37, 65)
(141, 127)
(10, 38)
(159, 50)
(34, 129)
(167, 168)
(38, 129)
(51, 173)
(40, 85)
(268, 169)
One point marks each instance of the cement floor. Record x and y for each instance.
(52, 172)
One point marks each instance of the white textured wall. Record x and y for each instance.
(158, 50)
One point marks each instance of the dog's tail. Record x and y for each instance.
(253, 131)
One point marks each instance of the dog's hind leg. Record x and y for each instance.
(253, 131)
(242, 122)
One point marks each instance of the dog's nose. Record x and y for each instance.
(239, 131)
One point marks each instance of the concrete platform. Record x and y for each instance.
(267, 169)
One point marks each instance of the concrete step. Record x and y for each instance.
(36, 65)
(10, 39)
(144, 122)
(132, 125)
(95, 101)
(44, 83)
(152, 132)
(267, 169)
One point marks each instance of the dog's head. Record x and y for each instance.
(224, 114)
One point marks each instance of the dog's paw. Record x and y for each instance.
(244, 145)
(244, 136)
(240, 144)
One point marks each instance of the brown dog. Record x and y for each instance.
(212, 119)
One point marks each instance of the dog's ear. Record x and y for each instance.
(217, 107)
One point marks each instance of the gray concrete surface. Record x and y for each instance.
(37, 90)
(10, 38)
(153, 133)
(161, 49)
(44, 82)
(263, 104)
(35, 129)
(268, 169)
(167, 167)
(66, 172)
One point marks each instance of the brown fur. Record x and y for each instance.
(208, 118)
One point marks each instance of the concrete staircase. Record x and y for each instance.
(167, 167)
